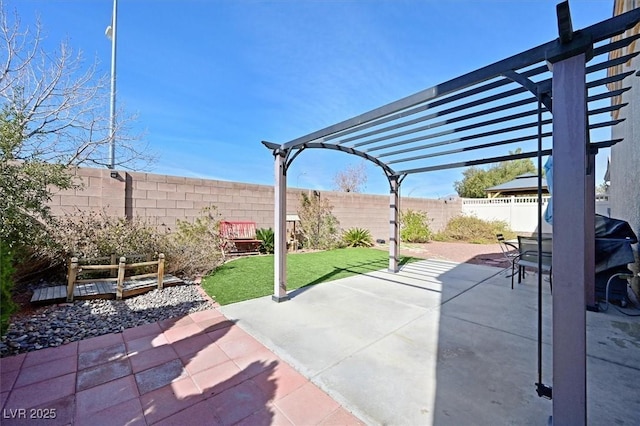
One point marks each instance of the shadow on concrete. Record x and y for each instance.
(464, 352)
(355, 268)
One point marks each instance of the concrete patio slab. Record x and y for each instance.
(440, 343)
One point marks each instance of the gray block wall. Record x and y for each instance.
(163, 199)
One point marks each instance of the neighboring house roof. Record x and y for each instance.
(524, 184)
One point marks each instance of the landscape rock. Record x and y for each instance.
(63, 323)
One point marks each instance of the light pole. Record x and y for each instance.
(111, 34)
(298, 178)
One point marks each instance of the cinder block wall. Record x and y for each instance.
(372, 211)
(98, 191)
(162, 200)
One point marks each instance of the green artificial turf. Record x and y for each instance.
(252, 277)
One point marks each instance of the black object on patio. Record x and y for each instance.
(614, 238)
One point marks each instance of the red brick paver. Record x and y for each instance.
(197, 369)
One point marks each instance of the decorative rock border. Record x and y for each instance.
(63, 323)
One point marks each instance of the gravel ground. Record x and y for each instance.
(55, 325)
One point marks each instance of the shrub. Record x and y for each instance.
(84, 234)
(94, 234)
(320, 228)
(474, 230)
(7, 307)
(196, 248)
(357, 237)
(414, 226)
(267, 237)
(26, 186)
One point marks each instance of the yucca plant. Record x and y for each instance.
(357, 237)
(267, 238)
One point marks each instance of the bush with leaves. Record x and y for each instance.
(91, 234)
(357, 237)
(194, 248)
(267, 237)
(197, 248)
(95, 234)
(474, 230)
(7, 307)
(26, 183)
(320, 228)
(414, 226)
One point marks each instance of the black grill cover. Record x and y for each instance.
(613, 243)
(614, 238)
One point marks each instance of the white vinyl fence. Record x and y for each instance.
(520, 213)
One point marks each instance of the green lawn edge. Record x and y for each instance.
(250, 277)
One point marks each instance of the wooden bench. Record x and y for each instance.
(242, 235)
(117, 271)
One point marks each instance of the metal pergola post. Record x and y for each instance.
(280, 232)
(394, 223)
(573, 241)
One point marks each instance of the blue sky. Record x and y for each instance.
(210, 79)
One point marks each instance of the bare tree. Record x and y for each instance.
(59, 104)
(352, 179)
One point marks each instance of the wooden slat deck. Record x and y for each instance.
(100, 289)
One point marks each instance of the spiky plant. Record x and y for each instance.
(357, 237)
(267, 237)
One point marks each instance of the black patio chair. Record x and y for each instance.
(528, 257)
(510, 252)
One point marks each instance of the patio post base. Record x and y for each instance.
(280, 298)
(593, 308)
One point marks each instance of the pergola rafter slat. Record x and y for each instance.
(597, 32)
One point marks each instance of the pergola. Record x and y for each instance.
(547, 100)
